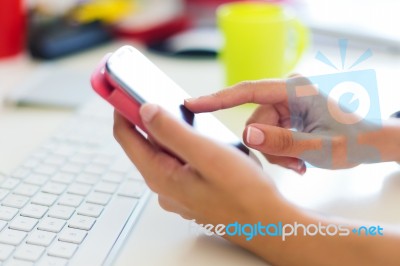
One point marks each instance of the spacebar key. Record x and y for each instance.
(105, 232)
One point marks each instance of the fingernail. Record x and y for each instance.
(148, 111)
(254, 136)
(295, 166)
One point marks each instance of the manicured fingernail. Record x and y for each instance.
(295, 166)
(254, 136)
(148, 111)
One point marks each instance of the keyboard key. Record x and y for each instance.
(103, 159)
(12, 237)
(16, 262)
(96, 169)
(113, 177)
(31, 163)
(71, 235)
(70, 200)
(7, 213)
(15, 201)
(25, 224)
(134, 174)
(72, 168)
(3, 193)
(99, 198)
(41, 238)
(81, 158)
(62, 249)
(34, 211)
(52, 261)
(89, 179)
(106, 187)
(10, 183)
(44, 199)
(54, 188)
(65, 178)
(2, 224)
(5, 251)
(79, 189)
(91, 210)
(61, 212)
(36, 179)
(122, 165)
(51, 224)
(81, 222)
(29, 252)
(65, 151)
(133, 189)
(21, 173)
(26, 190)
(55, 160)
(45, 169)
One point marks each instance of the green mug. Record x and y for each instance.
(261, 41)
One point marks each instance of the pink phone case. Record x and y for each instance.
(108, 89)
(115, 95)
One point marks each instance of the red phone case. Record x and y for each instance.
(115, 95)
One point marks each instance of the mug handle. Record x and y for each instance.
(303, 40)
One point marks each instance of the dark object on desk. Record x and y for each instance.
(60, 38)
(396, 115)
(196, 42)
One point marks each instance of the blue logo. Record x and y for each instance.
(347, 101)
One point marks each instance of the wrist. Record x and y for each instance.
(271, 247)
(386, 140)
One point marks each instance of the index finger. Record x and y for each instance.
(269, 91)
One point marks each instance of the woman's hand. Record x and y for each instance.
(220, 185)
(326, 136)
(217, 184)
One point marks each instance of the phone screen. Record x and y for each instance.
(146, 83)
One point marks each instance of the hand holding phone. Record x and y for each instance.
(127, 79)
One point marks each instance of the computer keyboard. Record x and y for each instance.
(74, 199)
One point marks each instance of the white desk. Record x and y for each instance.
(160, 238)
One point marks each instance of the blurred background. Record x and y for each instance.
(42, 32)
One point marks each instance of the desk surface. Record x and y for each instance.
(370, 192)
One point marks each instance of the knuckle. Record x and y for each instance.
(339, 141)
(168, 177)
(283, 142)
(171, 169)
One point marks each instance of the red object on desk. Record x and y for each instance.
(202, 12)
(12, 27)
(156, 32)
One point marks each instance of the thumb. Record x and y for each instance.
(280, 141)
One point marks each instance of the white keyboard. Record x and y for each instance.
(74, 199)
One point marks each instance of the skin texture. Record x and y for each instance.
(216, 184)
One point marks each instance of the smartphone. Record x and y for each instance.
(127, 79)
